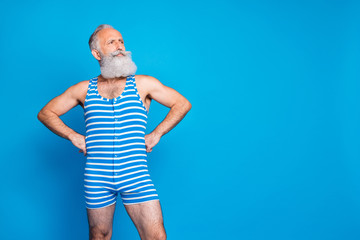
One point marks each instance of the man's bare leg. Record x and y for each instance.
(100, 222)
(148, 219)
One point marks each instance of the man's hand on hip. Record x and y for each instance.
(78, 141)
(151, 140)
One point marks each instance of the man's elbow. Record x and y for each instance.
(43, 113)
(182, 104)
(187, 105)
(40, 115)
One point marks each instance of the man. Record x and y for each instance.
(116, 105)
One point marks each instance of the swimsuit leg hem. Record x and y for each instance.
(142, 201)
(101, 207)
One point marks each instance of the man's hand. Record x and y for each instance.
(78, 141)
(151, 140)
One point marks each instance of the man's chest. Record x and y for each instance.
(110, 91)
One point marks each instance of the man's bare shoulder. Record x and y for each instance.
(146, 81)
(78, 91)
(80, 87)
(83, 84)
(143, 77)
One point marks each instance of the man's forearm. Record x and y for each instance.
(55, 124)
(174, 116)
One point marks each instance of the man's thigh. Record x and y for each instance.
(147, 217)
(101, 218)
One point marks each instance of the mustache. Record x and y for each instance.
(117, 52)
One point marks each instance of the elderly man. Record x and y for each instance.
(116, 105)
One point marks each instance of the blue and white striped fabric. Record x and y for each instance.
(115, 144)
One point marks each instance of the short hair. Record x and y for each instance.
(94, 41)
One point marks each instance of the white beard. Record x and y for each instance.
(113, 66)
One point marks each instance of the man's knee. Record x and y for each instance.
(161, 236)
(157, 233)
(100, 232)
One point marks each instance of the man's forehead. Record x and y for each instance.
(108, 33)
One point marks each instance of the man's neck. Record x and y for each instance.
(110, 80)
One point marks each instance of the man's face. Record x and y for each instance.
(113, 59)
(110, 40)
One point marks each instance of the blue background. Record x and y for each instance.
(269, 150)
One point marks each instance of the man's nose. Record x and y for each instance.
(119, 46)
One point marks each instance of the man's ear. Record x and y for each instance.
(96, 54)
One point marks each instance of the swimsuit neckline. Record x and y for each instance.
(111, 99)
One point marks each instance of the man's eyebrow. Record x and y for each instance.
(114, 39)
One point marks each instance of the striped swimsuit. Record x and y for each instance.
(116, 159)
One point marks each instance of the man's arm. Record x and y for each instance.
(178, 104)
(50, 114)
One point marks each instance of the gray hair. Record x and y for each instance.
(94, 41)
